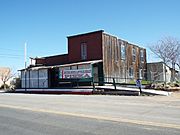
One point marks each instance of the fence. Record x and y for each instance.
(114, 81)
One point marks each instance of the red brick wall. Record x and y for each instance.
(94, 46)
(40, 61)
(52, 60)
(56, 60)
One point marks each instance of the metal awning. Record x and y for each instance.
(80, 63)
(64, 65)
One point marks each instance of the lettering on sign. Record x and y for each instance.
(79, 73)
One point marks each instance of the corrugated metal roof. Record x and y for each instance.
(64, 65)
(81, 63)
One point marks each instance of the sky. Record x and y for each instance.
(45, 24)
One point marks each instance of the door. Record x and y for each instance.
(95, 74)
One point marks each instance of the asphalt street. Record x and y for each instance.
(27, 114)
(18, 122)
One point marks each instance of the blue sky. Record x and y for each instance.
(45, 24)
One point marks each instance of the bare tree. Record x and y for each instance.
(5, 75)
(178, 65)
(175, 54)
(168, 49)
(178, 62)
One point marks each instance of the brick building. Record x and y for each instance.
(94, 56)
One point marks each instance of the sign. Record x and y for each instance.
(78, 73)
(138, 83)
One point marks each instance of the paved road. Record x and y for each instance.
(72, 114)
(18, 122)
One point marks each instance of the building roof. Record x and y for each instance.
(63, 65)
(121, 39)
(86, 33)
(81, 63)
(161, 62)
(58, 55)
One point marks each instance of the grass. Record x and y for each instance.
(143, 82)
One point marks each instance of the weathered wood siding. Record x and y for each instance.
(114, 66)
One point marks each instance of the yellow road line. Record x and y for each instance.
(139, 122)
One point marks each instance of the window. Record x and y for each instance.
(141, 55)
(133, 54)
(74, 67)
(131, 72)
(85, 66)
(140, 73)
(123, 52)
(83, 51)
(116, 52)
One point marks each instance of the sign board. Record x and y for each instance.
(74, 74)
(138, 83)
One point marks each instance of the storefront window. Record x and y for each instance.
(85, 66)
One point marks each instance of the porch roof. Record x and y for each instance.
(63, 65)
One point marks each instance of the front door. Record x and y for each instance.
(95, 74)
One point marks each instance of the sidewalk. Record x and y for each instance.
(2, 91)
(148, 91)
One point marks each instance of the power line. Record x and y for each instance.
(8, 49)
(5, 56)
(11, 58)
(14, 55)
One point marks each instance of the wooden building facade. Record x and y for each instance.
(99, 55)
(122, 60)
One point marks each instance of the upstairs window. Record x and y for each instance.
(142, 55)
(123, 52)
(83, 51)
(133, 54)
(116, 52)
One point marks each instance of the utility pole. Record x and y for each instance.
(25, 61)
